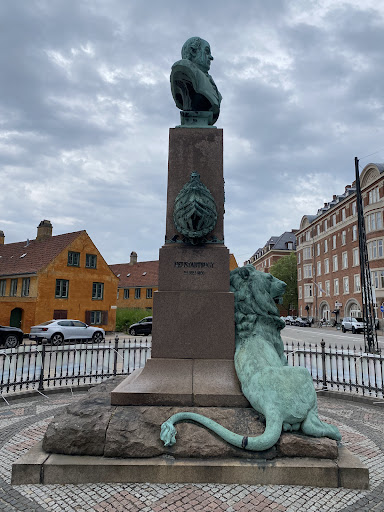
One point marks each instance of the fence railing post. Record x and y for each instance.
(41, 377)
(324, 365)
(116, 354)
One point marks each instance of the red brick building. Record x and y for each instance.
(328, 265)
(274, 249)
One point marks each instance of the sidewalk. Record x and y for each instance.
(23, 423)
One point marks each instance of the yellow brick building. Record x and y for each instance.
(62, 276)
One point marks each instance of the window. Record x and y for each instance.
(137, 293)
(334, 242)
(300, 292)
(326, 266)
(325, 245)
(25, 287)
(335, 264)
(356, 282)
(299, 257)
(325, 225)
(335, 287)
(90, 260)
(126, 293)
(346, 284)
(327, 288)
(96, 318)
(318, 249)
(290, 246)
(97, 291)
(378, 278)
(375, 249)
(373, 195)
(344, 260)
(318, 229)
(307, 253)
(319, 290)
(355, 253)
(334, 219)
(308, 236)
(3, 284)
(61, 291)
(149, 293)
(308, 291)
(73, 259)
(354, 232)
(343, 214)
(299, 274)
(343, 237)
(307, 271)
(318, 270)
(374, 221)
(354, 209)
(13, 291)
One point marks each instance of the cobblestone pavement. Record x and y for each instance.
(23, 423)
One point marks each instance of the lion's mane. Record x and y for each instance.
(255, 293)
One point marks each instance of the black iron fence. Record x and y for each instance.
(38, 368)
(340, 369)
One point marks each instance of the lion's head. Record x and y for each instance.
(256, 294)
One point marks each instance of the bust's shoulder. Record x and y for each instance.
(185, 63)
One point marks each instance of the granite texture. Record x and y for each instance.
(91, 426)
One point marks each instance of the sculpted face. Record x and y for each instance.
(202, 57)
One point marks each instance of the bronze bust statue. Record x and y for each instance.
(193, 88)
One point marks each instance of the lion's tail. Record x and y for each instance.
(263, 442)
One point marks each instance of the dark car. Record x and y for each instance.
(142, 327)
(302, 322)
(10, 337)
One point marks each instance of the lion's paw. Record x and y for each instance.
(168, 433)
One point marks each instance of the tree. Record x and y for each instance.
(285, 269)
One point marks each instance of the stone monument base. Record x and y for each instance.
(39, 467)
(183, 382)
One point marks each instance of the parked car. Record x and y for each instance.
(142, 327)
(354, 324)
(289, 320)
(10, 337)
(302, 322)
(57, 331)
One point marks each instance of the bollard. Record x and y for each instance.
(116, 354)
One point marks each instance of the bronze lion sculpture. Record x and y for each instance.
(284, 395)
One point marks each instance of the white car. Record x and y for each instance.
(354, 324)
(57, 331)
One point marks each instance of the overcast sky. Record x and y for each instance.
(85, 109)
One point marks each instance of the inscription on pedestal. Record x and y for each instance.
(194, 265)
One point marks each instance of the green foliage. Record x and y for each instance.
(128, 316)
(285, 269)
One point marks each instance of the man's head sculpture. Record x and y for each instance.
(193, 89)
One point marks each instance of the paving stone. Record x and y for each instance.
(24, 422)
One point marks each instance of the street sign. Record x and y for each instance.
(338, 304)
(382, 309)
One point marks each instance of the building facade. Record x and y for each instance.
(51, 277)
(138, 281)
(328, 264)
(274, 249)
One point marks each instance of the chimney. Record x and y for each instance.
(44, 230)
(133, 259)
(347, 187)
(2, 237)
(334, 197)
(325, 205)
